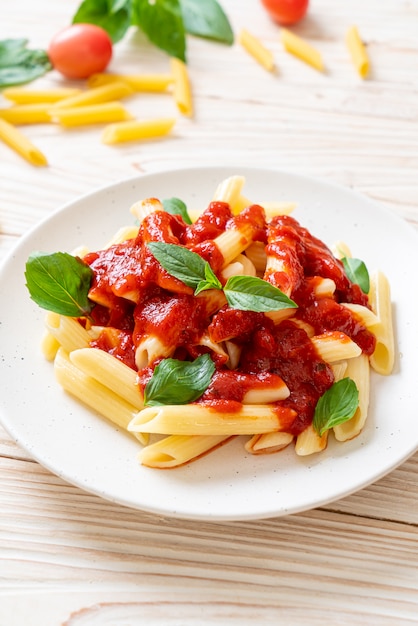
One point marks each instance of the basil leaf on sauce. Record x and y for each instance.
(162, 23)
(114, 16)
(336, 406)
(356, 271)
(59, 282)
(184, 264)
(179, 382)
(206, 18)
(18, 65)
(175, 206)
(249, 293)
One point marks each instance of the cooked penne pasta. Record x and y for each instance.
(383, 358)
(257, 50)
(182, 90)
(21, 144)
(26, 114)
(256, 252)
(240, 266)
(49, 346)
(150, 349)
(301, 49)
(357, 51)
(229, 190)
(137, 130)
(309, 442)
(21, 95)
(105, 93)
(335, 346)
(358, 369)
(123, 234)
(102, 113)
(67, 331)
(142, 208)
(272, 209)
(197, 419)
(176, 450)
(138, 82)
(268, 443)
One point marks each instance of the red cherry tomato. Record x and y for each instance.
(286, 12)
(80, 50)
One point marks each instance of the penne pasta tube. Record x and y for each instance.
(123, 234)
(182, 91)
(240, 266)
(104, 93)
(142, 208)
(335, 346)
(137, 130)
(233, 241)
(21, 144)
(49, 346)
(91, 114)
(92, 393)
(357, 51)
(268, 443)
(138, 82)
(309, 442)
(20, 95)
(229, 191)
(383, 358)
(324, 288)
(358, 369)
(176, 450)
(110, 372)
(256, 252)
(198, 419)
(367, 317)
(301, 49)
(150, 349)
(257, 50)
(272, 209)
(67, 331)
(26, 114)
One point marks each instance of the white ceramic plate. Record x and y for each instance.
(227, 484)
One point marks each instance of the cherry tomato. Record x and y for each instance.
(80, 50)
(286, 12)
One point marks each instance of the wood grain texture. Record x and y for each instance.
(68, 558)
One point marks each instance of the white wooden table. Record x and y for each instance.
(67, 557)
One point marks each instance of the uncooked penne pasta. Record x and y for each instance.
(106, 93)
(176, 450)
(21, 144)
(357, 51)
(21, 95)
(137, 130)
(257, 50)
(301, 49)
(182, 90)
(26, 114)
(138, 82)
(102, 113)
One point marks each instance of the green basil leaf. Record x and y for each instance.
(356, 271)
(249, 293)
(180, 262)
(59, 282)
(114, 16)
(206, 18)
(18, 65)
(175, 206)
(336, 406)
(179, 382)
(162, 22)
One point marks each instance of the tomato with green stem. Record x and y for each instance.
(286, 12)
(80, 50)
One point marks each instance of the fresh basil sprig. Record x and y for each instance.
(179, 382)
(19, 65)
(357, 272)
(114, 16)
(247, 293)
(175, 206)
(336, 406)
(59, 282)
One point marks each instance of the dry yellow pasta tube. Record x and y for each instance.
(182, 91)
(357, 51)
(138, 82)
(176, 450)
(105, 93)
(21, 144)
(197, 419)
(257, 50)
(26, 114)
(301, 49)
(20, 95)
(137, 130)
(91, 114)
